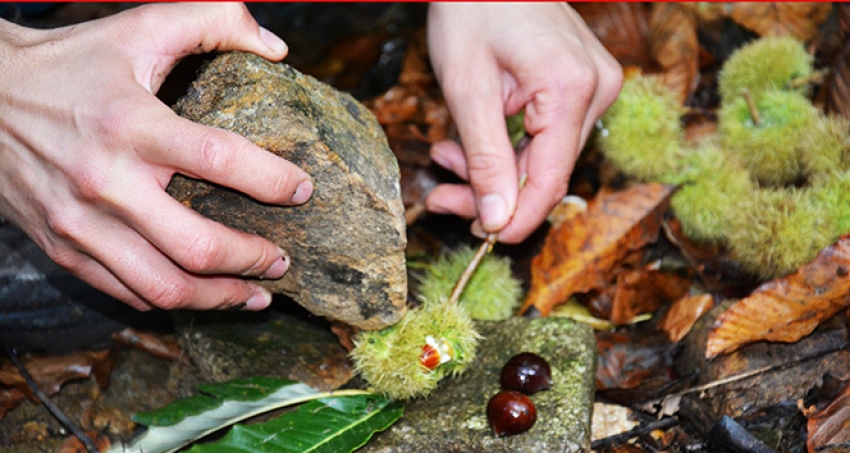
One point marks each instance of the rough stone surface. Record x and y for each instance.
(226, 346)
(453, 418)
(347, 243)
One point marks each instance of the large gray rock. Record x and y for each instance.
(453, 418)
(347, 243)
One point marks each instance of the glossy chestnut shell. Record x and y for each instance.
(526, 372)
(510, 412)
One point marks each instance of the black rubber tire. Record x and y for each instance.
(44, 308)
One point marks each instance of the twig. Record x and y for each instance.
(51, 407)
(483, 249)
(754, 112)
(618, 439)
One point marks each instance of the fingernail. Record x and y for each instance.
(302, 192)
(441, 161)
(493, 211)
(278, 268)
(272, 41)
(477, 231)
(259, 300)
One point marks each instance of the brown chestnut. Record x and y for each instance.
(510, 412)
(526, 372)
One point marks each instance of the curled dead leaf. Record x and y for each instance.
(579, 254)
(797, 19)
(788, 308)
(675, 47)
(682, 315)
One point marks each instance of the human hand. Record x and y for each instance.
(87, 150)
(493, 60)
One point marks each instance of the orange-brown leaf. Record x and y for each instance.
(153, 344)
(675, 47)
(622, 28)
(788, 308)
(579, 254)
(641, 291)
(831, 425)
(679, 320)
(800, 20)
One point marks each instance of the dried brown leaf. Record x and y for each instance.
(788, 308)
(641, 291)
(73, 445)
(838, 86)
(627, 362)
(830, 425)
(51, 372)
(800, 20)
(153, 344)
(622, 28)
(675, 47)
(578, 255)
(682, 315)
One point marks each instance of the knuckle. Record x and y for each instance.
(169, 294)
(216, 155)
(202, 254)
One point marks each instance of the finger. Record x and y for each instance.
(209, 26)
(457, 199)
(490, 159)
(156, 279)
(196, 243)
(93, 273)
(219, 156)
(449, 155)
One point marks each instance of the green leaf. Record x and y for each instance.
(329, 425)
(217, 406)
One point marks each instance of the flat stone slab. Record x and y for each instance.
(453, 418)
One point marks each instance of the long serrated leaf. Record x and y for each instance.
(329, 425)
(217, 406)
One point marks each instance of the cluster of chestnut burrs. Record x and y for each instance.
(511, 411)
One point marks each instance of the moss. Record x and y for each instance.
(769, 63)
(642, 134)
(492, 293)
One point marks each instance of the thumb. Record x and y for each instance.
(174, 31)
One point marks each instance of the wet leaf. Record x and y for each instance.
(838, 86)
(579, 254)
(51, 372)
(622, 28)
(216, 406)
(788, 308)
(73, 445)
(641, 291)
(830, 425)
(155, 345)
(800, 20)
(626, 361)
(675, 47)
(682, 315)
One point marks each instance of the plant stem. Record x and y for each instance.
(483, 249)
(754, 112)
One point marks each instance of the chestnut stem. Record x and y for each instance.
(754, 112)
(483, 249)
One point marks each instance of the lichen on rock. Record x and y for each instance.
(347, 242)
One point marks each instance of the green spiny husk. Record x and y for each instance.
(492, 293)
(388, 359)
